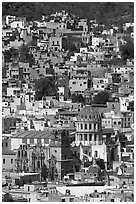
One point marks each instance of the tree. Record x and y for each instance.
(122, 139)
(25, 56)
(77, 98)
(127, 50)
(12, 53)
(101, 98)
(44, 172)
(7, 198)
(45, 87)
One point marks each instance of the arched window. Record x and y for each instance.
(38, 164)
(112, 155)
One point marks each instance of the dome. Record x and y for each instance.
(89, 112)
(94, 168)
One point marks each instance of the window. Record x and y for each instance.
(24, 140)
(63, 200)
(71, 199)
(28, 188)
(94, 126)
(96, 153)
(3, 161)
(85, 137)
(39, 140)
(31, 140)
(73, 82)
(81, 138)
(52, 42)
(81, 126)
(85, 126)
(84, 82)
(119, 123)
(115, 123)
(95, 137)
(11, 161)
(90, 126)
(6, 144)
(80, 84)
(90, 137)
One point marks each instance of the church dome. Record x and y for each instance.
(89, 113)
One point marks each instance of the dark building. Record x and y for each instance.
(9, 124)
(60, 154)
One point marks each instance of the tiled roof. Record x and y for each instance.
(7, 151)
(34, 134)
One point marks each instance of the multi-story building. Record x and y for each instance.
(89, 133)
(8, 156)
(99, 84)
(55, 43)
(79, 84)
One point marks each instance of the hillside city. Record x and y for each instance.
(67, 110)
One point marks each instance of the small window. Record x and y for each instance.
(31, 140)
(6, 144)
(81, 137)
(71, 199)
(124, 183)
(94, 126)
(96, 153)
(85, 137)
(3, 161)
(95, 137)
(115, 123)
(85, 126)
(63, 200)
(81, 126)
(90, 126)
(11, 161)
(90, 137)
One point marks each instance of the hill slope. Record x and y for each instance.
(104, 12)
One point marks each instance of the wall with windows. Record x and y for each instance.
(78, 85)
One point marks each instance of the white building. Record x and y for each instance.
(99, 84)
(124, 103)
(78, 85)
(18, 24)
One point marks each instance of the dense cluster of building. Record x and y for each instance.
(77, 141)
